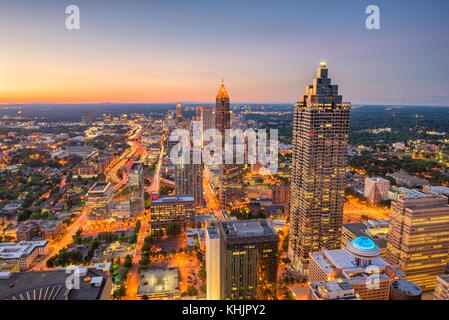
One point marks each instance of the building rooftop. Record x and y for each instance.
(154, 281)
(172, 199)
(12, 250)
(99, 187)
(51, 285)
(247, 228)
(406, 287)
(213, 232)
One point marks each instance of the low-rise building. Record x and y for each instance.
(332, 290)
(159, 284)
(20, 256)
(38, 230)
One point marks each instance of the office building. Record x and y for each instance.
(231, 175)
(179, 112)
(88, 118)
(207, 121)
(280, 193)
(166, 210)
(100, 201)
(359, 264)
(320, 146)
(189, 180)
(136, 189)
(441, 288)
(246, 267)
(376, 189)
(418, 238)
(214, 264)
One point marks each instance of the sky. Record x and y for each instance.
(266, 51)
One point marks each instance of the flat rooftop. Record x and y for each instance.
(213, 232)
(50, 285)
(12, 250)
(248, 228)
(99, 187)
(158, 281)
(172, 199)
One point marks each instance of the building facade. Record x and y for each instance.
(441, 288)
(418, 238)
(376, 189)
(320, 144)
(100, 201)
(166, 210)
(189, 180)
(136, 189)
(231, 175)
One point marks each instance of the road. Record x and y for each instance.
(133, 275)
(66, 239)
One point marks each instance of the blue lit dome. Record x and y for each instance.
(364, 243)
(363, 248)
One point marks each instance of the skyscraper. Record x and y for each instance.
(178, 111)
(418, 238)
(88, 118)
(320, 142)
(230, 174)
(189, 180)
(136, 189)
(241, 260)
(207, 120)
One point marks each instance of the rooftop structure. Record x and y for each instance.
(402, 289)
(333, 290)
(159, 283)
(51, 285)
(354, 265)
(376, 230)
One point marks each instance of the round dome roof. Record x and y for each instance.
(363, 247)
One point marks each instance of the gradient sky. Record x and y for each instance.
(267, 51)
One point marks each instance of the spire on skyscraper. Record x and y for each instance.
(222, 93)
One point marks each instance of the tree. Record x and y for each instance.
(192, 291)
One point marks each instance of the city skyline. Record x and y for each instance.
(158, 53)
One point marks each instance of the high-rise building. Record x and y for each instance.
(359, 264)
(207, 120)
(418, 238)
(107, 118)
(136, 189)
(376, 189)
(231, 175)
(441, 288)
(179, 111)
(189, 180)
(100, 201)
(88, 119)
(214, 264)
(246, 267)
(320, 143)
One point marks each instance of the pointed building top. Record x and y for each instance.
(222, 93)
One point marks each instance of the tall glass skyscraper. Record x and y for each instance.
(320, 143)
